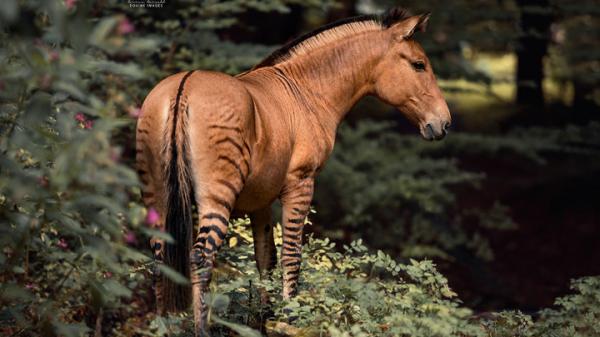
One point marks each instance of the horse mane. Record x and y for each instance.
(332, 32)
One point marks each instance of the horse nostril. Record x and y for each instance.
(446, 126)
(429, 131)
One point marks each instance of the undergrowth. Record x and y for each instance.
(351, 291)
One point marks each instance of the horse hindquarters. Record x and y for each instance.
(219, 125)
(193, 140)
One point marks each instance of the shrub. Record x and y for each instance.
(70, 225)
(354, 292)
(350, 292)
(378, 180)
(575, 314)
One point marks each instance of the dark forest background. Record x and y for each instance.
(506, 206)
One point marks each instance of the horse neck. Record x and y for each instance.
(332, 79)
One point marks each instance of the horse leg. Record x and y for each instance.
(295, 199)
(220, 167)
(213, 212)
(264, 243)
(264, 248)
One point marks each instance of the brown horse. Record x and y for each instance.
(238, 143)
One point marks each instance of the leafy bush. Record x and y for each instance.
(353, 292)
(576, 315)
(69, 223)
(380, 181)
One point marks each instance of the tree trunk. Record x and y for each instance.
(532, 47)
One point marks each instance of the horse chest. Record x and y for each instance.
(312, 150)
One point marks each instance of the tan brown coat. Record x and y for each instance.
(238, 143)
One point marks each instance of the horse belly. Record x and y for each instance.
(263, 185)
(260, 191)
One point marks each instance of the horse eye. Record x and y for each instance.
(418, 65)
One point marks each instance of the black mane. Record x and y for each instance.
(387, 19)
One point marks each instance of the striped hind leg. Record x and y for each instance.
(218, 186)
(214, 215)
(215, 206)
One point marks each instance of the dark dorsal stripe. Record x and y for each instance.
(176, 109)
(174, 150)
(386, 20)
(172, 173)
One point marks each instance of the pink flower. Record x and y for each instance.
(62, 243)
(70, 3)
(53, 55)
(45, 81)
(134, 111)
(125, 27)
(108, 274)
(30, 285)
(80, 117)
(43, 181)
(152, 217)
(130, 238)
(115, 154)
(88, 124)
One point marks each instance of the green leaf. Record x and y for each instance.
(8, 11)
(103, 30)
(242, 330)
(173, 274)
(70, 329)
(117, 289)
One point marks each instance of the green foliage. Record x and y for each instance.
(576, 55)
(188, 32)
(348, 292)
(68, 222)
(377, 175)
(354, 292)
(380, 181)
(576, 315)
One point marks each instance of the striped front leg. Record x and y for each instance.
(295, 200)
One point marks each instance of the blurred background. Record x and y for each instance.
(507, 205)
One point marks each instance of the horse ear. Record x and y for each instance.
(423, 21)
(406, 28)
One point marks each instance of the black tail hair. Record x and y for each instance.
(179, 218)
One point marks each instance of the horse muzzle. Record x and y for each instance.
(435, 130)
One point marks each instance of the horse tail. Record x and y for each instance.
(180, 200)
